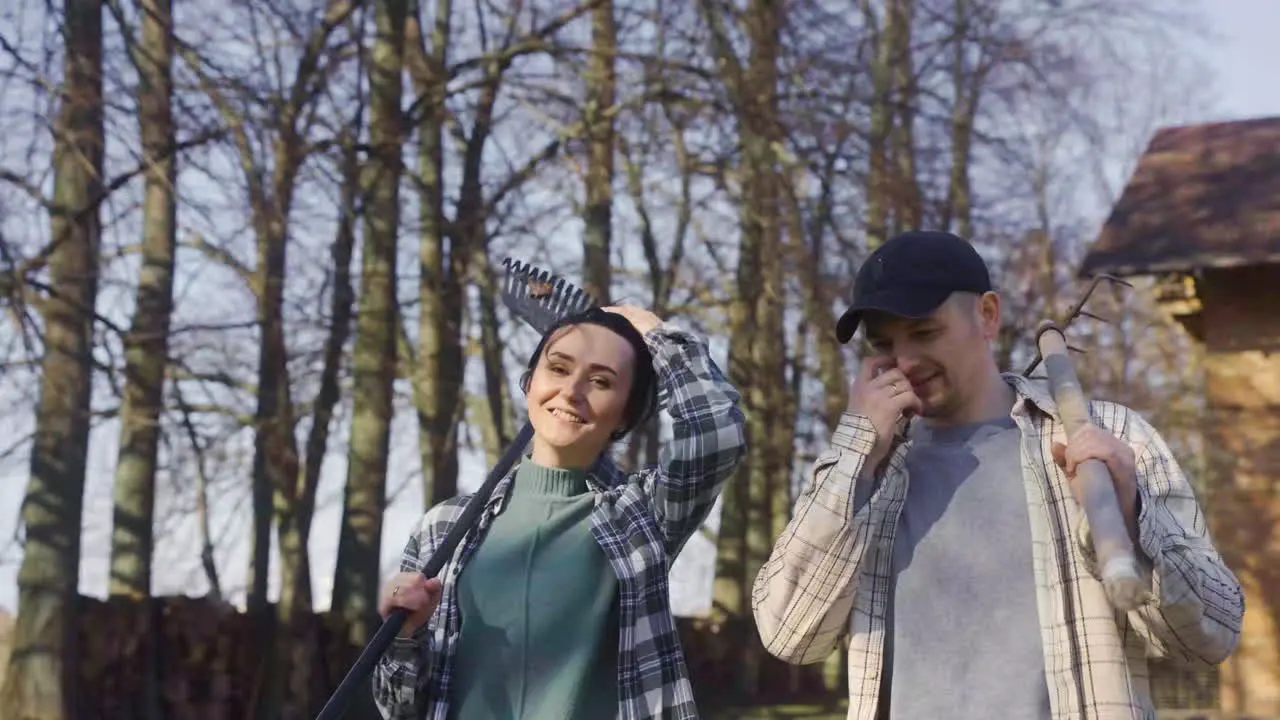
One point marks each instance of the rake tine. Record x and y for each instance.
(1099, 318)
(1075, 349)
(557, 296)
(565, 295)
(507, 275)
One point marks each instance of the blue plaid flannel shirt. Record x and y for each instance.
(642, 520)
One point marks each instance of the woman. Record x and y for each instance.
(557, 606)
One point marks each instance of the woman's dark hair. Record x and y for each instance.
(643, 398)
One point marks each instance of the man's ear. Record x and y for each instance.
(989, 315)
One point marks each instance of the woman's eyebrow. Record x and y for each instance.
(562, 355)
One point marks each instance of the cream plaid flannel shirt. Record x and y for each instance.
(829, 573)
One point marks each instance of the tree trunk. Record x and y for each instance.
(966, 86)
(40, 682)
(202, 498)
(879, 183)
(294, 523)
(767, 463)
(495, 377)
(357, 581)
(275, 461)
(439, 373)
(730, 593)
(755, 323)
(295, 507)
(908, 198)
(601, 89)
(822, 320)
(470, 238)
(643, 445)
(147, 345)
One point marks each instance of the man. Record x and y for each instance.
(942, 533)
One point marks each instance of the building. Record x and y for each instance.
(1201, 217)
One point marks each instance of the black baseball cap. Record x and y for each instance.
(911, 275)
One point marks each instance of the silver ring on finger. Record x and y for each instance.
(395, 591)
(897, 390)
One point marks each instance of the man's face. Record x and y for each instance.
(944, 355)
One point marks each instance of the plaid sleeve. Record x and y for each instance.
(1196, 611)
(708, 428)
(401, 674)
(803, 595)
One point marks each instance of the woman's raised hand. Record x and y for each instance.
(641, 319)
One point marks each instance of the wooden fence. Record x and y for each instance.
(211, 664)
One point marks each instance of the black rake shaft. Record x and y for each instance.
(540, 298)
(363, 667)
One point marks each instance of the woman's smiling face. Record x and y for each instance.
(578, 394)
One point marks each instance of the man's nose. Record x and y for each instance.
(907, 362)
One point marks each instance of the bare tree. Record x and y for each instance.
(272, 151)
(41, 679)
(438, 367)
(147, 345)
(601, 82)
(357, 581)
(757, 350)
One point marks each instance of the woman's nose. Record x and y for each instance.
(572, 388)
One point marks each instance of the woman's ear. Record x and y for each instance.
(525, 378)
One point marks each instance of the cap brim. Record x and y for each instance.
(913, 304)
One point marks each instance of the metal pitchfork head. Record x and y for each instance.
(1078, 311)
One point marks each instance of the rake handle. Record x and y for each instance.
(381, 640)
(1117, 562)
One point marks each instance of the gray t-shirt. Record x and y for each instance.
(963, 639)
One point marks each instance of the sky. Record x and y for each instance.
(1244, 56)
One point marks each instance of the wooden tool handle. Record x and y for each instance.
(1117, 562)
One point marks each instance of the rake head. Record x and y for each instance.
(1078, 310)
(540, 297)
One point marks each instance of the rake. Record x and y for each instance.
(540, 298)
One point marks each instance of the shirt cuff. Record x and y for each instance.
(854, 433)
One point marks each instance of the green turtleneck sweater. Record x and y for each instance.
(538, 601)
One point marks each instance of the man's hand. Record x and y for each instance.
(1094, 443)
(641, 319)
(883, 394)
